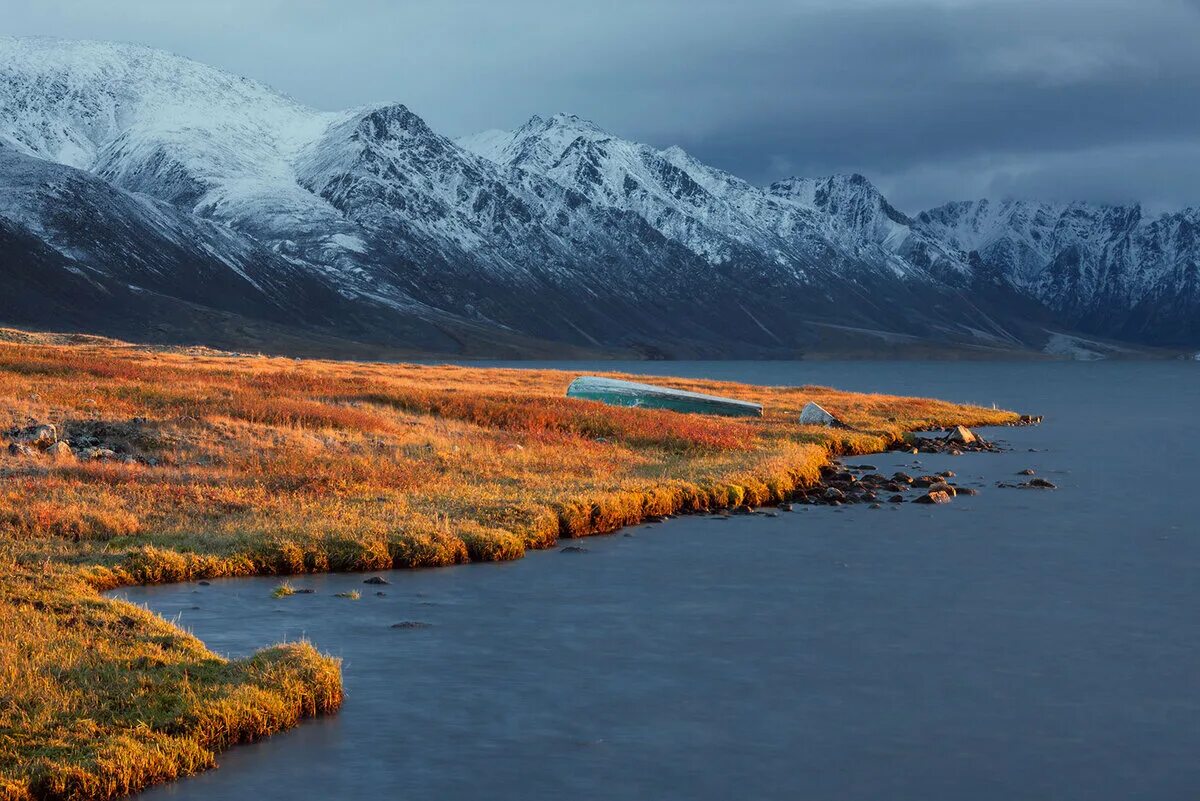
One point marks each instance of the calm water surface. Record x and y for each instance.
(1014, 645)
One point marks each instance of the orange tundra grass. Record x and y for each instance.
(252, 465)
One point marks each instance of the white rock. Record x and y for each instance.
(814, 414)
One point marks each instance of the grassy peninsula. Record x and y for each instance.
(184, 464)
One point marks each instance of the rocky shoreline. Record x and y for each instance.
(842, 485)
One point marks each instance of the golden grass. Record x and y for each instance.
(252, 465)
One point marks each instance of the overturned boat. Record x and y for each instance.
(647, 396)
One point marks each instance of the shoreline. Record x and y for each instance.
(521, 469)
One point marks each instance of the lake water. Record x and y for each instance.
(1015, 645)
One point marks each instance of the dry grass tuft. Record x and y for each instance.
(233, 466)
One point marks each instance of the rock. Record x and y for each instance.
(98, 454)
(411, 624)
(381, 594)
(962, 435)
(655, 519)
(303, 591)
(204, 583)
(956, 452)
(573, 549)
(896, 499)
(41, 436)
(786, 507)
(934, 497)
(942, 486)
(743, 510)
(18, 449)
(966, 491)
(863, 467)
(376, 580)
(1027, 472)
(813, 414)
(902, 478)
(834, 494)
(876, 506)
(38, 435)
(60, 450)
(947, 474)
(1039, 483)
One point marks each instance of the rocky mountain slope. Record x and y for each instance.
(144, 194)
(1108, 270)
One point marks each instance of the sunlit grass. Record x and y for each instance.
(248, 465)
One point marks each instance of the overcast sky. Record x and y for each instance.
(934, 100)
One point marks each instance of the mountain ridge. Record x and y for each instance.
(374, 227)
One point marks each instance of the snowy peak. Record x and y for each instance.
(67, 100)
(1120, 272)
(391, 122)
(540, 145)
(850, 197)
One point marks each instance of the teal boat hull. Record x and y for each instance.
(631, 394)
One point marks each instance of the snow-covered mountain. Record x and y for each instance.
(153, 184)
(1108, 270)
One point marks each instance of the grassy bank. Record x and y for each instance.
(215, 465)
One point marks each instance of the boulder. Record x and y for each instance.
(961, 434)
(38, 435)
(896, 499)
(902, 478)
(814, 415)
(1039, 483)
(937, 497)
(834, 494)
(19, 449)
(942, 486)
(376, 580)
(60, 450)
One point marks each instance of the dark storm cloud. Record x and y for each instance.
(932, 100)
